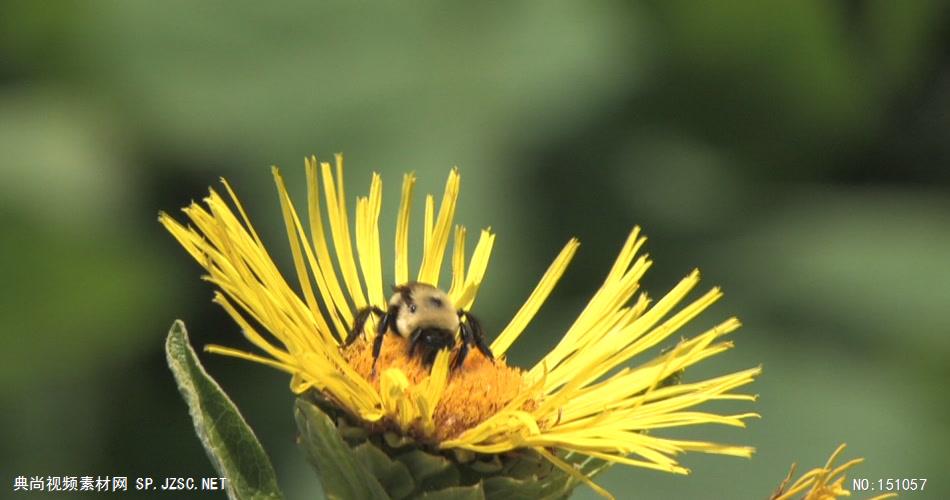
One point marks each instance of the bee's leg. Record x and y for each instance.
(359, 322)
(377, 345)
(463, 351)
(387, 322)
(476, 335)
(388, 319)
(414, 341)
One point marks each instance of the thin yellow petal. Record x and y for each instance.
(340, 230)
(458, 262)
(251, 333)
(240, 207)
(292, 223)
(335, 300)
(619, 286)
(524, 315)
(576, 474)
(476, 272)
(435, 245)
(236, 353)
(393, 387)
(428, 222)
(402, 229)
(367, 241)
(429, 392)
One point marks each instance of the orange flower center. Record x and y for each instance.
(474, 391)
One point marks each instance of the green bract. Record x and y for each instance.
(355, 463)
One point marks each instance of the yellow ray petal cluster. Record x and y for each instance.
(303, 334)
(582, 396)
(608, 418)
(821, 483)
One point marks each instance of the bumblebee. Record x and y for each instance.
(426, 316)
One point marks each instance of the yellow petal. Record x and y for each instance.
(340, 230)
(535, 300)
(435, 245)
(367, 241)
(402, 229)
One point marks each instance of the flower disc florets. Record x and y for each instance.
(475, 391)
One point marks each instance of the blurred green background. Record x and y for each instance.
(796, 152)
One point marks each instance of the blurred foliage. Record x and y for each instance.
(797, 152)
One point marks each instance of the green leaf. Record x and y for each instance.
(231, 445)
(555, 485)
(392, 475)
(343, 476)
(527, 465)
(486, 466)
(431, 472)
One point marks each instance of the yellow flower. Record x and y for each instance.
(581, 397)
(822, 483)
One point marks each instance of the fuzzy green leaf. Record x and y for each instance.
(343, 476)
(431, 472)
(392, 475)
(529, 465)
(231, 445)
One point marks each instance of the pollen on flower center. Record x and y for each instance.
(475, 391)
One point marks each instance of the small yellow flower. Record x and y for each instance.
(822, 483)
(581, 397)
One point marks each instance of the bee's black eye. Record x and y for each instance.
(435, 301)
(412, 308)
